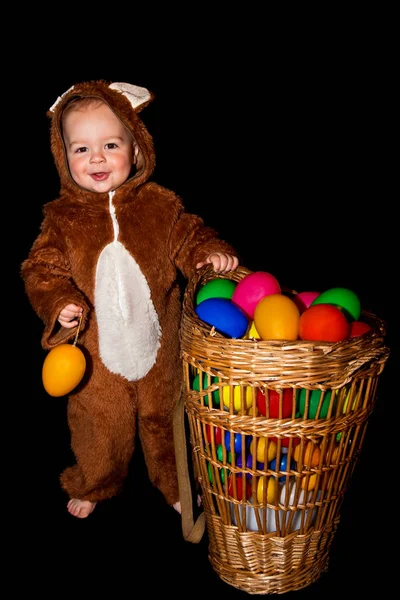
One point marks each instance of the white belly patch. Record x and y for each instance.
(129, 329)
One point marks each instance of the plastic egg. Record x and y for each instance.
(224, 315)
(261, 450)
(283, 466)
(309, 454)
(237, 441)
(252, 288)
(272, 488)
(346, 406)
(220, 454)
(304, 299)
(343, 298)
(358, 328)
(308, 482)
(285, 442)
(276, 317)
(63, 368)
(251, 518)
(251, 464)
(287, 498)
(271, 398)
(324, 323)
(237, 392)
(252, 332)
(220, 473)
(216, 288)
(314, 398)
(208, 381)
(217, 434)
(239, 487)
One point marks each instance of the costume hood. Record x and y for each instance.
(126, 101)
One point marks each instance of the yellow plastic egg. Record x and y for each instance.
(309, 482)
(237, 396)
(252, 332)
(346, 406)
(63, 369)
(271, 452)
(272, 490)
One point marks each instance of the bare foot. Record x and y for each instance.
(80, 508)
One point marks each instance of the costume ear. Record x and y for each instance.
(139, 97)
(52, 107)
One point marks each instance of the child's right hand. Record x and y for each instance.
(70, 315)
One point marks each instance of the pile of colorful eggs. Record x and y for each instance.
(286, 404)
(267, 476)
(256, 308)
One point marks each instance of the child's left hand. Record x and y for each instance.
(221, 262)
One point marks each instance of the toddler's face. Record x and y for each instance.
(99, 148)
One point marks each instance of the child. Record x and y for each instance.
(108, 254)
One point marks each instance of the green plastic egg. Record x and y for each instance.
(345, 299)
(314, 400)
(216, 288)
(207, 381)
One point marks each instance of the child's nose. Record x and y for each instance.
(97, 156)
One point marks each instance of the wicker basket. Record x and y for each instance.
(273, 487)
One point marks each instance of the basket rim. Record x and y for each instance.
(202, 330)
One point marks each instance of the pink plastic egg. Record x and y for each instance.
(252, 288)
(304, 299)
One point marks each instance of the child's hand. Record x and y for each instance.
(70, 315)
(221, 262)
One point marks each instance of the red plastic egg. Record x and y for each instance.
(217, 434)
(239, 487)
(273, 403)
(324, 323)
(285, 441)
(358, 328)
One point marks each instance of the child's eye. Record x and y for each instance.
(81, 149)
(111, 145)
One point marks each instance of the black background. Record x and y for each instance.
(284, 148)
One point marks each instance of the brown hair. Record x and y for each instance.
(81, 104)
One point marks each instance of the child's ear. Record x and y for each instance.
(135, 154)
(137, 158)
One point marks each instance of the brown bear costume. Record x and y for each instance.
(117, 255)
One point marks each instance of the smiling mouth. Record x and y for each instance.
(99, 176)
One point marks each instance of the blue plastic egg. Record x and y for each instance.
(224, 315)
(282, 466)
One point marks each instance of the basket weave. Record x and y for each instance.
(270, 525)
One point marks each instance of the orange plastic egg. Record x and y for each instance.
(63, 369)
(276, 317)
(309, 455)
(308, 482)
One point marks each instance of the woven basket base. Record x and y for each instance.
(261, 564)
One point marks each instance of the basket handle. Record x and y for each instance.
(192, 531)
